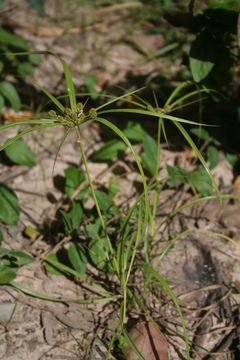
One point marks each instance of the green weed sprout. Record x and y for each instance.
(123, 257)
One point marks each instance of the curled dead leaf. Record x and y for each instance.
(149, 341)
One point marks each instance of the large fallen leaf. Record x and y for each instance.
(149, 341)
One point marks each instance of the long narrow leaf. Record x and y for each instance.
(118, 98)
(176, 91)
(152, 113)
(65, 269)
(196, 202)
(60, 146)
(199, 155)
(189, 103)
(41, 296)
(53, 99)
(27, 122)
(70, 86)
(25, 132)
(191, 94)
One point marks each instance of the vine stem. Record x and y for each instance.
(115, 264)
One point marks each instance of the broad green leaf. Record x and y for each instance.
(201, 182)
(114, 210)
(19, 258)
(37, 5)
(24, 69)
(109, 151)
(35, 59)
(213, 157)
(113, 186)
(200, 69)
(10, 93)
(149, 155)
(9, 39)
(92, 230)
(73, 219)
(51, 268)
(7, 274)
(1, 66)
(90, 82)
(74, 178)
(22, 257)
(232, 159)
(20, 153)
(104, 200)
(134, 132)
(9, 209)
(201, 133)
(78, 258)
(1, 103)
(99, 254)
(176, 173)
(6, 260)
(202, 56)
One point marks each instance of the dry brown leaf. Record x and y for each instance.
(236, 184)
(190, 155)
(149, 341)
(11, 116)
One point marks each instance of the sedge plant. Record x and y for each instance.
(138, 229)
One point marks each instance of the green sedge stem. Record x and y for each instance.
(156, 192)
(145, 187)
(115, 264)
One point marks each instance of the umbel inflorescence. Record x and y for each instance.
(71, 119)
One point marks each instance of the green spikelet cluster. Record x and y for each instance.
(71, 119)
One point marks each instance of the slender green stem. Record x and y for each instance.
(136, 243)
(115, 264)
(145, 187)
(124, 276)
(156, 192)
(113, 339)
